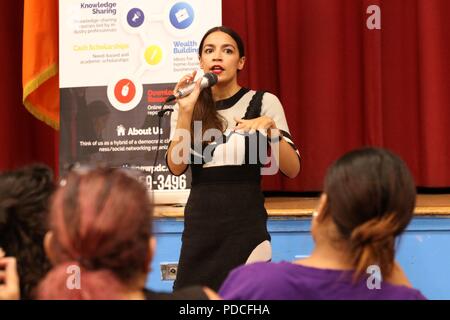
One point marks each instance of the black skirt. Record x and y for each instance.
(224, 223)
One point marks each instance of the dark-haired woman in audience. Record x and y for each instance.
(368, 200)
(24, 200)
(100, 241)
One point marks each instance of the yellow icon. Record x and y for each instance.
(153, 55)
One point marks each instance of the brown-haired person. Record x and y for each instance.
(368, 200)
(228, 125)
(24, 201)
(100, 240)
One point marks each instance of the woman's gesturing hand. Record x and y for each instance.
(264, 123)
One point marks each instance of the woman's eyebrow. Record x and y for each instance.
(228, 45)
(222, 46)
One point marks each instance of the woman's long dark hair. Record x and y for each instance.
(371, 198)
(205, 110)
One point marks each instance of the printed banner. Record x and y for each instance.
(119, 61)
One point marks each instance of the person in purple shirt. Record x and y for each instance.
(368, 200)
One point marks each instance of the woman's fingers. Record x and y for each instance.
(182, 83)
(238, 120)
(9, 289)
(253, 125)
(9, 272)
(196, 92)
(185, 80)
(240, 123)
(187, 103)
(189, 78)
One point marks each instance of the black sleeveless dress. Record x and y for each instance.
(224, 218)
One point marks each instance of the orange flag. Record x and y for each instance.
(40, 60)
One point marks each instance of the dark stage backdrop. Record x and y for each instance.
(342, 84)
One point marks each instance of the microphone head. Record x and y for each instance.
(208, 80)
(212, 78)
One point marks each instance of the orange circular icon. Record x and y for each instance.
(124, 91)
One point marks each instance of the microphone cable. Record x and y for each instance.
(161, 114)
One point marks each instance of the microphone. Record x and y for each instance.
(208, 80)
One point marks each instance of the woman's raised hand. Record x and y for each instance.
(187, 103)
